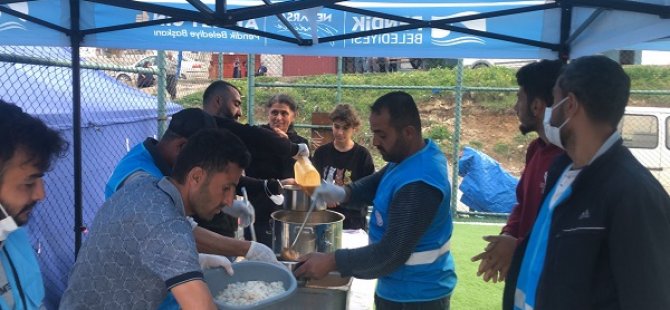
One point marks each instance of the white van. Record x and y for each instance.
(646, 132)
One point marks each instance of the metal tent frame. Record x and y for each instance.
(223, 17)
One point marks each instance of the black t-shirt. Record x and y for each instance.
(346, 167)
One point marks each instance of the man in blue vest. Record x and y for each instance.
(27, 150)
(411, 224)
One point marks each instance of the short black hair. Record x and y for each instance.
(216, 87)
(212, 150)
(285, 99)
(21, 131)
(538, 79)
(402, 109)
(600, 84)
(187, 122)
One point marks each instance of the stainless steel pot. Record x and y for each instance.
(322, 232)
(295, 199)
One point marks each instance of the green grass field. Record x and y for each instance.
(472, 292)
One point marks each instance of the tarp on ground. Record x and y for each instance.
(486, 186)
(109, 126)
(333, 27)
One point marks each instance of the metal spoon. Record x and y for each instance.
(251, 227)
(302, 226)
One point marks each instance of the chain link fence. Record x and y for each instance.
(127, 94)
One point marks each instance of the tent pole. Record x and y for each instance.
(566, 21)
(338, 97)
(220, 72)
(251, 80)
(161, 114)
(75, 42)
(458, 94)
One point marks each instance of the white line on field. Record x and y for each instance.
(480, 223)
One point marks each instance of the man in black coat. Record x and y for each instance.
(268, 149)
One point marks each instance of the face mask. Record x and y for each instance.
(7, 225)
(277, 199)
(553, 133)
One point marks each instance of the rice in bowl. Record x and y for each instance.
(249, 292)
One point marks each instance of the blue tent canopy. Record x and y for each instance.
(427, 28)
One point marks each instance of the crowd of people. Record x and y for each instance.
(588, 232)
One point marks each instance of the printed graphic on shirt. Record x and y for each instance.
(341, 177)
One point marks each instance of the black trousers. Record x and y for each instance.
(438, 304)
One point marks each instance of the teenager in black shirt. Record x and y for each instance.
(345, 161)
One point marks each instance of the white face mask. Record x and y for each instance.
(553, 133)
(7, 225)
(277, 199)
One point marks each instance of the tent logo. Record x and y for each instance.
(19, 7)
(440, 37)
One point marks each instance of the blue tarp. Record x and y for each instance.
(113, 119)
(486, 186)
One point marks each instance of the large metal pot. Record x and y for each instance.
(296, 199)
(322, 232)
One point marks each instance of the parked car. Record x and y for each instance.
(646, 132)
(189, 68)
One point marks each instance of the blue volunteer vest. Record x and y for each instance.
(24, 261)
(427, 280)
(137, 159)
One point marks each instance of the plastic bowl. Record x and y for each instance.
(217, 280)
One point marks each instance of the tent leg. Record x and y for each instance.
(75, 42)
(457, 136)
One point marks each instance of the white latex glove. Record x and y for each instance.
(329, 193)
(303, 150)
(261, 253)
(242, 210)
(192, 222)
(208, 261)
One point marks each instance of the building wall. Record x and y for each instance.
(309, 65)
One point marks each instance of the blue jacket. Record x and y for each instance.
(22, 271)
(429, 272)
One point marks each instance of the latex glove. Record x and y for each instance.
(496, 258)
(261, 253)
(192, 222)
(242, 210)
(208, 261)
(303, 150)
(329, 193)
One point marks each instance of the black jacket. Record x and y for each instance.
(267, 148)
(608, 244)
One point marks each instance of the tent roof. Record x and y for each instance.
(427, 28)
(46, 92)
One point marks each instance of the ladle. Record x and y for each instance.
(251, 226)
(289, 253)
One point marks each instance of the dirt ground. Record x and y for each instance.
(494, 133)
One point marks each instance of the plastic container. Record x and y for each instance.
(306, 175)
(217, 280)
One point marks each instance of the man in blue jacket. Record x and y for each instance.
(410, 227)
(27, 150)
